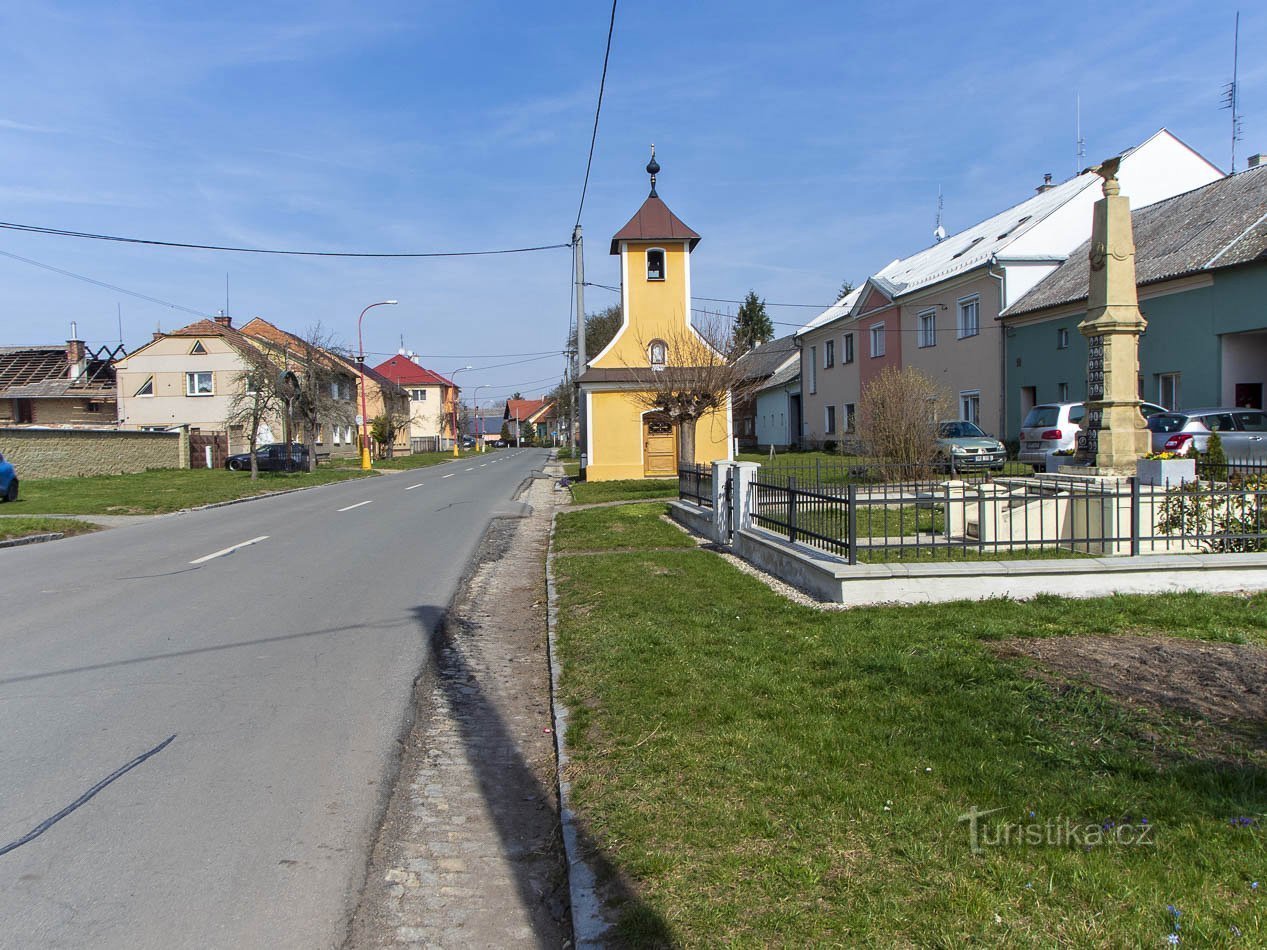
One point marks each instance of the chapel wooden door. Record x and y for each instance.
(659, 448)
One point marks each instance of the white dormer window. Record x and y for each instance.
(197, 349)
(655, 263)
(657, 353)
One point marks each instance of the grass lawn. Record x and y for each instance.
(420, 459)
(571, 469)
(159, 491)
(617, 527)
(11, 528)
(630, 489)
(765, 773)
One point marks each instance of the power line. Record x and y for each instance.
(88, 235)
(463, 356)
(808, 306)
(102, 283)
(602, 82)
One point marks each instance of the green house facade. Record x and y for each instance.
(1201, 266)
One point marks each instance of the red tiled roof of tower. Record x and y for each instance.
(654, 222)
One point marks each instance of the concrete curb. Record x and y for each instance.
(589, 926)
(32, 539)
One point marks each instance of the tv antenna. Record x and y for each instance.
(1231, 92)
(1080, 155)
(939, 233)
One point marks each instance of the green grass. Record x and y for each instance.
(769, 774)
(23, 527)
(159, 491)
(631, 489)
(617, 527)
(420, 459)
(572, 469)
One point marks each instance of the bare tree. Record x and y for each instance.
(900, 411)
(688, 375)
(256, 399)
(325, 386)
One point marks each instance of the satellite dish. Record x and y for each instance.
(939, 233)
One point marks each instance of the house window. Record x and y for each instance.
(250, 384)
(927, 328)
(1168, 390)
(813, 369)
(829, 420)
(147, 387)
(969, 317)
(197, 349)
(970, 407)
(829, 354)
(655, 263)
(877, 340)
(1062, 390)
(658, 353)
(1062, 339)
(846, 355)
(418, 395)
(850, 417)
(199, 384)
(336, 432)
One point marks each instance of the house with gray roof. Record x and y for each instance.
(1201, 269)
(935, 310)
(69, 385)
(759, 426)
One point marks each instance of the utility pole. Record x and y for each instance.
(578, 246)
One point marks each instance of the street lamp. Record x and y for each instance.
(479, 419)
(455, 406)
(365, 422)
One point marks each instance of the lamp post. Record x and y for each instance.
(365, 422)
(452, 375)
(479, 419)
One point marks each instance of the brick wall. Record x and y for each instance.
(58, 453)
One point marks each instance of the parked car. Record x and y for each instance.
(8, 481)
(1054, 426)
(500, 444)
(271, 458)
(1243, 432)
(468, 442)
(962, 446)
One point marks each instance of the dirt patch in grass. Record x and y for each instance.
(1223, 683)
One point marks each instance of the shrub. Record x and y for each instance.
(899, 412)
(829, 445)
(1212, 463)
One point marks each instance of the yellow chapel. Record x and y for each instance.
(623, 438)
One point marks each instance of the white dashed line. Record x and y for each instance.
(230, 550)
(471, 469)
(450, 475)
(358, 505)
(412, 487)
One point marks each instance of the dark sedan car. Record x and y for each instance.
(271, 458)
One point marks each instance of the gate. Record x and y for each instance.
(200, 442)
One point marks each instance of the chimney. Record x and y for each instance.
(76, 358)
(1255, 160)
(227, 321)
(158, 335)
(1046, 185)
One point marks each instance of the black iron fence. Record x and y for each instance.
(696, 484)
(913, 516)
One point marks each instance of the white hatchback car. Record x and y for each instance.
(1054, 426)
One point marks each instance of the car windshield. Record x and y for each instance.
(1166, 422)
(1041, 417)
(960, 430)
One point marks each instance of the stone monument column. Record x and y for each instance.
(1113, 434)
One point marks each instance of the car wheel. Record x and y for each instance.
(235, 465)
(11, 493)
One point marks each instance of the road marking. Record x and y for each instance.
(412, 487)
(230, 550)
(482, 464)
(450, 475)
(358, 505)
(471, 469)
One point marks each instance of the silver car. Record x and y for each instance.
(1054, 426)
(962, 446)
(1243, 432)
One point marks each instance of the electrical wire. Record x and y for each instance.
(102, 283)
(808, 306)
(88, 235)
(602, 82)
(464, 356)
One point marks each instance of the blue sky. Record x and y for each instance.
(804, 141)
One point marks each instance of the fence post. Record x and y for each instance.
(721, 512)
(818, 473)
(791, 509)
(1135, 507)
(742, 494)
(853, 523)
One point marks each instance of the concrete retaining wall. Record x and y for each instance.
(59, 453)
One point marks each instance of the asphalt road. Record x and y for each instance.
(284, 671)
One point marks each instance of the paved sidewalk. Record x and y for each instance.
(470, 853)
